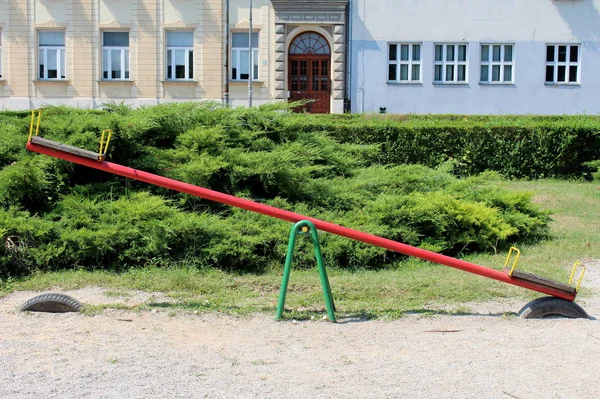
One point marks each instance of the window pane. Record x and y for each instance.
(179, 64)
(240, 39)
(562, 73)
(438, 73)
(392, 72)
(255, 64)
(573, 73)
(508, 73)
(495, 53)
(438, 53)
(180, 39)
(404, 72)
(508, 53)
(126, 55)
(190, 64)
(51, 38)
(416, 73)
(549, 54)
(485, 53)
(63, 64)
(449, 53)
(115, 64)
(105, 64)
(416, 52)
(52, 57)
(234, 65)
(562, 53)
(549, 73)
(449, 73)
(574, 53)
(462, 73)
(116, 39)
(393, 56)
(244, 63)
(169, 64)
(496, 73)
(41, 62)
(404, 52)
(484, 74)
(462, 52)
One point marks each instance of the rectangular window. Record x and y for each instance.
(180, 55)
(497, 63)
(240, 59)
(115, 55)
(51, 55)
(404, 63)
(562, 63)
(450, 63)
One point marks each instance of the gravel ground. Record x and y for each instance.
(125, 354)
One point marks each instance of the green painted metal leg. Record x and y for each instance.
(304, 227)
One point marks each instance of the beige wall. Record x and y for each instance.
(83, 22)
(262, 22)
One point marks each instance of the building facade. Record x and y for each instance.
(397, 56)
(88, 52)
(475, 56)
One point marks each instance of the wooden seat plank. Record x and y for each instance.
(544, 281)
(64, 148)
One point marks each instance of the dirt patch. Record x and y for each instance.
(158, 354)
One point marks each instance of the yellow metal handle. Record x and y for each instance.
(575, 266)
(103, 144)
(37, 125)
(514, 265)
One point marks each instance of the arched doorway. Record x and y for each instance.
(309, 64)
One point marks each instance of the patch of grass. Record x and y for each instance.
(95, 309)
(411, 286)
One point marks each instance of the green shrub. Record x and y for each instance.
(368, 173)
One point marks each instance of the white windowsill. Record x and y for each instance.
(117, 81)
(450, 83)
(179, 82)
(497, 83)
(52, 81)
(245, 82)
(561, 84)
(392, 83)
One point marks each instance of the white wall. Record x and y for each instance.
(526, 23)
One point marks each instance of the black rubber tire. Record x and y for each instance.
(550, 306)
(52, 303)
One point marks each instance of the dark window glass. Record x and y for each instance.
(550, 54)
(549, 73)
(561, 75)
(573, 73)
(392, 72)
(574, 53)
(562, 53)
(393, 52)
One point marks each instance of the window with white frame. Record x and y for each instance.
(562, 63)
(497, 63)
(115, 55)
(180, 55)
(51, 55)
(240, 59)
(450, 63)
(404, 62)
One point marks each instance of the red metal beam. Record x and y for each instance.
(294, 217)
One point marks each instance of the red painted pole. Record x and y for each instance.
(294, 217)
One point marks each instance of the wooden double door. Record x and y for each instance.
(309, 78)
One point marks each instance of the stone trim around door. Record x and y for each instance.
(326, 15)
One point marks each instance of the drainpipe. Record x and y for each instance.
(348, 104)
(250, 57)
(226, 57)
